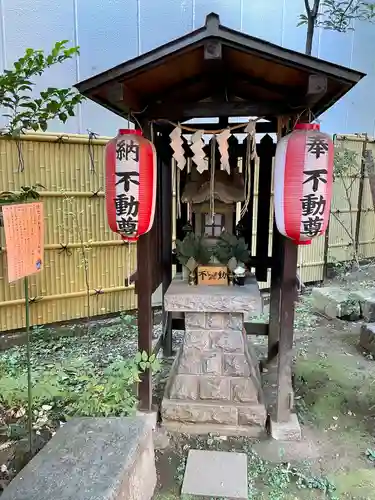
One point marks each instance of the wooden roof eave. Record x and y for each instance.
(94, 86)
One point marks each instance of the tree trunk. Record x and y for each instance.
(310, 35)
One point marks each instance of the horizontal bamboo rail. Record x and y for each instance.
(86, 244)
(69, 295)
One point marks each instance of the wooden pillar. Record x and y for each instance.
(266, 151)
(275, 294)
(144, 291)
(166, 237)
(145, 258)
(289, 255)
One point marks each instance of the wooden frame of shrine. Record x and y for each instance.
(218, 72)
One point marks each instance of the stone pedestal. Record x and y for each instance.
(214, 385)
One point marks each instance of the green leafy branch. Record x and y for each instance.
(26, 193)
(146, 362)
(338, 15)
(23, 111)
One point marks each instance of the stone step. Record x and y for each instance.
(367, 338)
(335, 302)
(215, 474)
(91, 458)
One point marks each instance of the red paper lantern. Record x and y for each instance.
(130, 184)
(303, 183)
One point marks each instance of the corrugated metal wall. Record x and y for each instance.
(112, 31)
(75, 213)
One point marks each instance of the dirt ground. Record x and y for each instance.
(335, 402)
(334, 398)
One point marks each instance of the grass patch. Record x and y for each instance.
(336, 397)
(84, 375)
(360, 483)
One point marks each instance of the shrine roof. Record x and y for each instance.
(217, 71)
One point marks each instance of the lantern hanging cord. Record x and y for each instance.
(247, 177)
(92, 136)
(192, 129)
(212, 179)
(311, 116)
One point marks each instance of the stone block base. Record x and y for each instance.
(336, 303)
(214, 382)
(103, 458)
(366, 300)
(215, 429)
(367, 338)
(225, 418)
(286, 431)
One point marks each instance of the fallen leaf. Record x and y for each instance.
(20, 413)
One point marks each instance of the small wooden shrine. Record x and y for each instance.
(218, 72)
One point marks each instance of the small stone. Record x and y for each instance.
(212, 363)
(244, 391)
(190, 361)
(184, 387)
(231, 341)
(217, 388)
(217, 321)
(195, 321)
(236, 365)
(367, 337)
(200, 339)
(252, 415)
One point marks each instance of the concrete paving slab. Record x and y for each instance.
(217, 474)
(335, 302)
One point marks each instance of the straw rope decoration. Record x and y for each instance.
(219, 137)
(178, 194)
(212, 179)
(222, 142)
(251, 154)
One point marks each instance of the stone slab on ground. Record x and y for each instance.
(91, 459)
(335, 302)
(367, 337)
(215, 474)
(366, 300)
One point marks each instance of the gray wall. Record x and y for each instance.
(111, 31)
